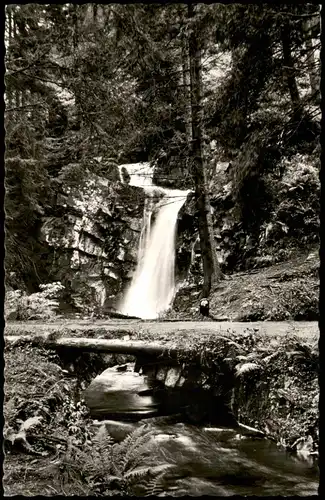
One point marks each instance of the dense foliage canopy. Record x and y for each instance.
(112, 81)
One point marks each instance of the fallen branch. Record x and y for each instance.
(250, 431)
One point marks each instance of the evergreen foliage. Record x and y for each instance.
(87, 80)
(133, 467)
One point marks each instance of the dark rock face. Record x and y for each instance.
(94, 238)
(121, 393)
(171, 172)
(188, 251)
(197, 395)
(187, 237)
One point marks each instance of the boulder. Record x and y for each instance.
(121, 394)
(172, 377)
(93, 237)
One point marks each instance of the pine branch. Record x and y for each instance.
(22, 108)
(298, 16)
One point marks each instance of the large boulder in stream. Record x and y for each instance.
(119, 392)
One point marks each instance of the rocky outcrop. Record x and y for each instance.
(188, 251)
(186, 242)
(171, 172)
(94, 237)
(94, 234)
(290, 223)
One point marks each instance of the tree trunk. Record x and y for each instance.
(8, 55)
(9, 16)
(75, 37)
(309, 27)
(311, 66)
(186, 86)
(134, 347)
(77, 92)
(289, 70)
(320, 19)
(17, 92)
(211, 268)
(95, 12)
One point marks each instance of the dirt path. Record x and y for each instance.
(303, 329)
(285, 291)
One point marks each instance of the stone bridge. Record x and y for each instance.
(160, 373)
(230, 381)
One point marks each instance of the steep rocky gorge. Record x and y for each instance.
(93, 237)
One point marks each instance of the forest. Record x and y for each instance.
(162, 199)
(90, 87)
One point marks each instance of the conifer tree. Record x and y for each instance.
(211, 268)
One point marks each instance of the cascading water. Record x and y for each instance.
(153, 285)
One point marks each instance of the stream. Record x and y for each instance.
(226, 463)
(202, 459)
(220, 462)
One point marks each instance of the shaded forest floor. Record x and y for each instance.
(285, 291)
(36, 426)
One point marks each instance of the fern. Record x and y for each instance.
(130, 451)
(147, 480)
(100, 463)
(123, 467)
(39, 305)
(156, 485)
(245, 368)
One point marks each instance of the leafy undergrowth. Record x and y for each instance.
(275, 379)
(41, 305)
(285, 291)
(43, 423)
(278, 391)
(51, 444)
(136, 466)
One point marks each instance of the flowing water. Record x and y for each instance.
(221, 462)
(197, 459)
(153, 286)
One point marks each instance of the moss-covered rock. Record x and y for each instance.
(281, 396)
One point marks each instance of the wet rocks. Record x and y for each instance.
(171, 171)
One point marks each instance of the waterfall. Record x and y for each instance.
(153, 285)
(140, 174)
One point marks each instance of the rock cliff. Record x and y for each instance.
(93, 237)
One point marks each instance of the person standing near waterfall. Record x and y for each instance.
(204, 307)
